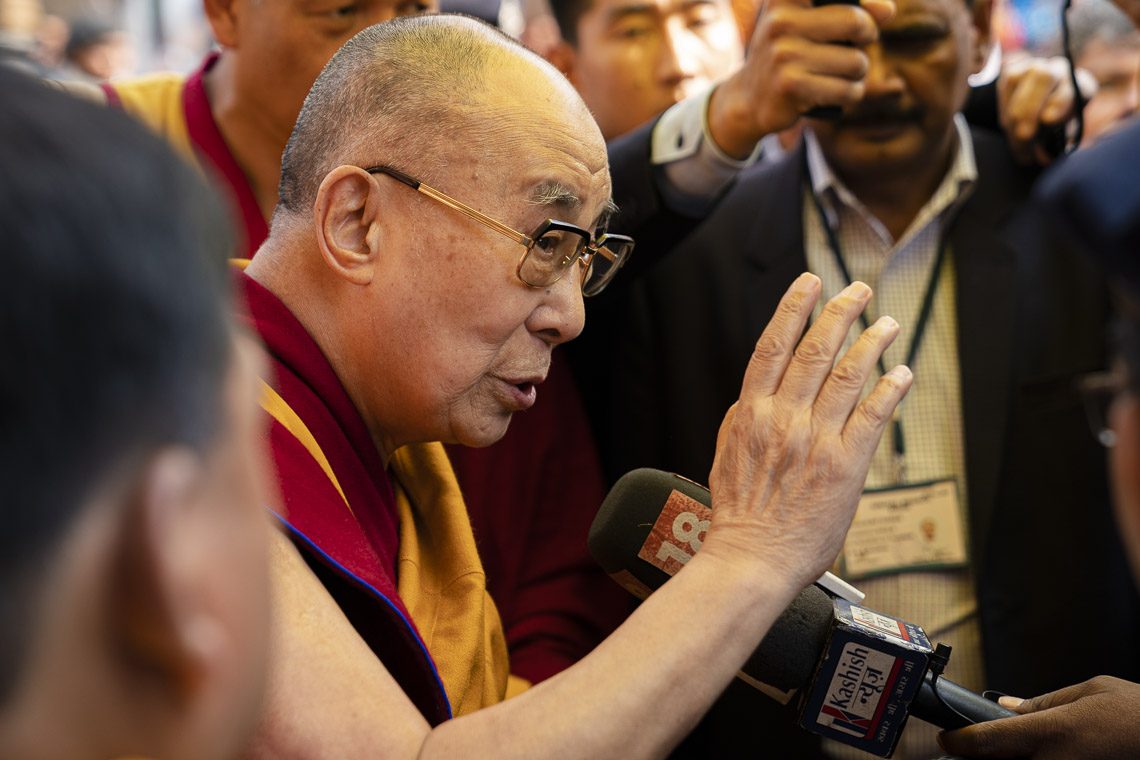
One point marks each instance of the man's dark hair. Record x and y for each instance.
(116, 339)
(568, 13)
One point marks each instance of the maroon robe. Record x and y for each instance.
(531, 497)
(354, 554)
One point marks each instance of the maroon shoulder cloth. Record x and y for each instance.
(352, 552)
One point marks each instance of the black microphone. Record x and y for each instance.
(854, 674)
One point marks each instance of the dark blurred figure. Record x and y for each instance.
(486, 10)
(1096, 195)
(133, 571)
(1106, 43)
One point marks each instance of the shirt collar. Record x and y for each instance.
(950, 194)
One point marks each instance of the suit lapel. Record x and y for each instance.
(986, 301)
(775, 248)
(985, 265)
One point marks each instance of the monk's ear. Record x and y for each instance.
(224, 17)
(161, 623)
(344, 212)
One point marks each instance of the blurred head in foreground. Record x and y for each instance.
(1095, 196)
(133, 586)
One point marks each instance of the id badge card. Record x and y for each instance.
(899, 529)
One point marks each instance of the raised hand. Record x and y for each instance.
(793, 452)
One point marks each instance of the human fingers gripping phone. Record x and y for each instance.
(830, 113)
(799, 56)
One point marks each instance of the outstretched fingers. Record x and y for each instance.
(865, 426)
(781, 479)
(816, 353)
(773, 352)
(843, 387)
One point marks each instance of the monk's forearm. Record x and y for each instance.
(792, 457)
(635, 696)
(641, 690)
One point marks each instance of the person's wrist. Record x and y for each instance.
(732, 123)
(760, 572)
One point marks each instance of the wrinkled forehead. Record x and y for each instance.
(551, 144)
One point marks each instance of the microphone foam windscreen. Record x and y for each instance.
(787, 656)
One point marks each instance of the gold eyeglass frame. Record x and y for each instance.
(591, 246)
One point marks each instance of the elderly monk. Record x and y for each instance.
(233, 117)
(411, 290)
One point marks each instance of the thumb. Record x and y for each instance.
(1019, 736)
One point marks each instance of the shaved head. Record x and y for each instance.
(407, 91)
(421, 307)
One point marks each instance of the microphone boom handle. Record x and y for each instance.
(948, 705)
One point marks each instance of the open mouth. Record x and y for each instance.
(519, 396)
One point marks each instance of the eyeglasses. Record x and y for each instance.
(551, 249)
(1098, 389)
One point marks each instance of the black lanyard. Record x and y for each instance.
(919, 326)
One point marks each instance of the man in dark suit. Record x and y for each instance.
(1024, 563)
